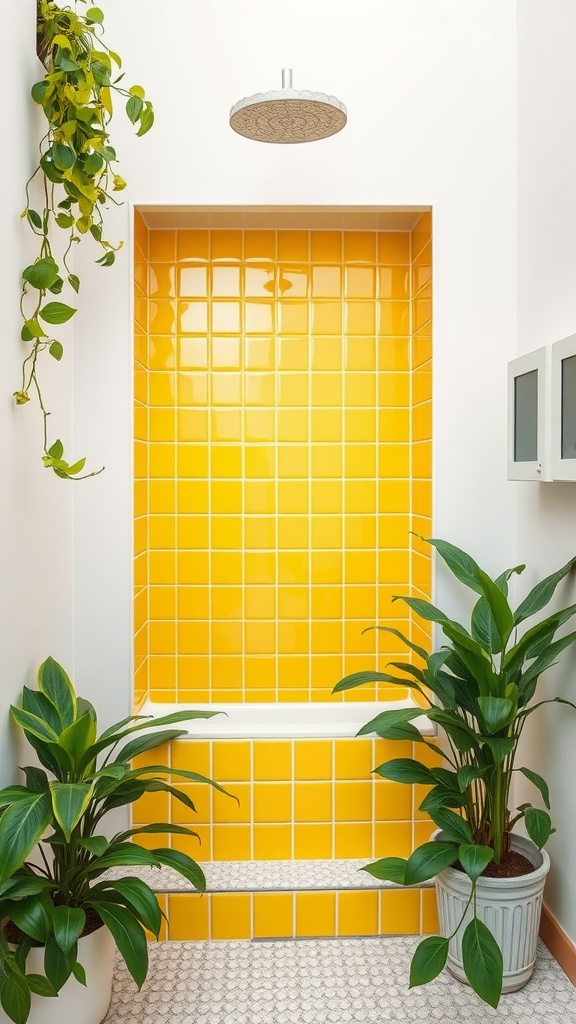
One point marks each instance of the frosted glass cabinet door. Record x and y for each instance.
(527, 417)
(564, 409)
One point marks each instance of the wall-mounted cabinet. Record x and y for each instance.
(563, 407)
(528, 433)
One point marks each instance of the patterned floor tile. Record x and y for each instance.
(320, 981)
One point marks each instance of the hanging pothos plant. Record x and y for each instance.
(75, 170)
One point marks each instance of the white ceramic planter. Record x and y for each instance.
(76, 1004)
(509, 907)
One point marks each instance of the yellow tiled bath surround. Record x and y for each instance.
(283, 454)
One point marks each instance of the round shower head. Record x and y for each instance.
(288, 115)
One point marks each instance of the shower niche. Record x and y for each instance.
(283, 447)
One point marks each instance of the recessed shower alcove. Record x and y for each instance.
(283, 443)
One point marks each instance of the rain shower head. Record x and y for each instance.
(288, 115)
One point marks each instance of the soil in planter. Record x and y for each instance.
(512, 865)
(93, 922)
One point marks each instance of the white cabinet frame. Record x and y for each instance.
(563, 468)
(539, 468)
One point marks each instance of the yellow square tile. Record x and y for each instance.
(260, 676)
(394, 531)
(293, 497)
(193, 245)
(292, 461)
(394, 496)
(259, 462)
(230, 916)
(360, 389)
(192, 282)
(400, 912)
(327, 319)
(259, 497)
(273, 915)
(293, 568)
(162, 425)
(393, 317)
(226, 532)
(162, 602)
(358, 913)
(260, 354)
(260, 602)
(151, 807)
(226, 496)
(293, 353)
(293, 246)
(226, 672)
(360, 603)
(326, 282)
(225, 352)
(315, 914)
(326, 567)
(260, 637)
(226, 424)
(228, 810)
(326, 496)
(326, 247)
(313, 801)
(259, 567)
(191, 755)
(272, 760)
(326, 389)
(360, 460)
(200, 795)
(429, 912)
(161, 637)
(326, 603)
(293, 531)
(394, 461)
(231, 842)
(260, 388)
(193, 461)
(292, 602)
(226, 246)
(225, 282)
(360, 283)
(272, 842)
(292, 317)
(422, 459)
(313, 759)
(394, 247)
(326, 425)
(192, 496)
(292, 425)
(312, 842)
(294, 390)
(226, 388)
(394, 282)
(231, 761)
(259, 317)
(161, 389)
(162, 567)
(353, 840)
(226, 461)
(392, 839)
(192, 353)
(360, 425)
(259, 282)
(272, 802)
(327, 461)
(260, 425)
(353, 801)
(188, 917)
(423, 832)
(192, 637)
(161, 246)
(421, 347)
(421, 310)
(226, 637)
(393, 566)
(162, 672)
(354, 758)
(360, 567)
(191, 425)
(326, 637)
(226, 602)
(422, 422)
(260, 532)
(359, 247)
(191, 318)
(162, 496)
(260, 245)
(292, 637)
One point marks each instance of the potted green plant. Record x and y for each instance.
(60, 913)
(478, 689)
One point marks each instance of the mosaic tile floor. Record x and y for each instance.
(319, 981)
(265, 875)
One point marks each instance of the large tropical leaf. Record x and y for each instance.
(407, 770)
(140, 744)
(15, 994)
(539, 782)
(69, 801)
(370, 676)
(544, 660)
(543, 632)
(21, 826)
(34, 725)
(401, 636)
(68, 924)
(37, 704)
(474, 859)
(388, 721)
(187, 867)
(482, 960)
(496, 712)
(389, 869)
(139, 897)
(33, 915)
(541, 594)
(128, 935)
(121, 855)
(538, 825)
(78, 736)
(428, 860)
(456, 827)
(55, 684)
(428, 960)
(58, 964)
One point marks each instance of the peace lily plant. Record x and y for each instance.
(63, 893)
(478, 689)
(75, 181)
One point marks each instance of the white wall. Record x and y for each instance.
(35, 507)
(546, 513)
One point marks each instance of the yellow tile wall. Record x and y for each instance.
(141, 480)
(264, 915)
(286, 456)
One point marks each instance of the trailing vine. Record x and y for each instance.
(76, 179)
